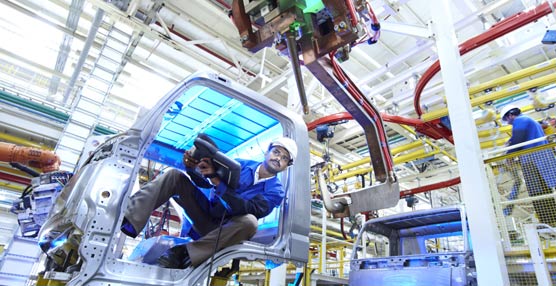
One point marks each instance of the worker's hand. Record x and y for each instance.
(189, 161)
(206, 168)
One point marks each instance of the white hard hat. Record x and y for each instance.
(288, 144)
(508, 108)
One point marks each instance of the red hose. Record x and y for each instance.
(342, 228)
(372, 13)
(499, 29)
(367, 106)
(351, 9)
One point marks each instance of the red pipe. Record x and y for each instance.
(401, 120)
(499, 29)
(14, 179)
(329, 119)
(346, 116)
(430, 187)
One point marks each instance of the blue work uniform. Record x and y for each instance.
(525, 129)
(538, 167)
(245, 205)
(259, 199)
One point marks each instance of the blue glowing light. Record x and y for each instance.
(58, 242)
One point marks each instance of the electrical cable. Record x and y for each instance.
(25, 169)
(26, 191)
(358, 96)
(215, 246)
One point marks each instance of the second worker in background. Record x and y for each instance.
(538, 167)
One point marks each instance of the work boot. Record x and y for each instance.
(176, 257)
(128, 228)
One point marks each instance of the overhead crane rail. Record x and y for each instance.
(499, 29)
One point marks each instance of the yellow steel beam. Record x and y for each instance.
(406, 147)
(428, 141)
(21, 141)
(12, 186)
(394, 151)
(315, 153)
(494, 143)
(422, 153)
(544, 66)
(13, 171)
(502, 129)
(350, 174)
(329, 232)
(397, 160)
(520, 152)
(547, 251)
(417, 143)
(538, 82)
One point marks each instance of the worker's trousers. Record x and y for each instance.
(177, 185)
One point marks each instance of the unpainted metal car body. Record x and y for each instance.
(425, 247)
(82, 237)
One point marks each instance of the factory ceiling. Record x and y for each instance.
(45, 43)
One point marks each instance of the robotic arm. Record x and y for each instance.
(45, 160)
(322, 32)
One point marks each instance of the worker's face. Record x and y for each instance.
(276, 160)
(510, 118)
(205, 166)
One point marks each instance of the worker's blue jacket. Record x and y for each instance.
(258, 200)
(524, 129)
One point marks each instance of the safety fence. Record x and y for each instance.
(523, 186)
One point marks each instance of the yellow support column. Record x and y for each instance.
(341, 259)
(319, 268)
(267, 277)
(307, 271)
(218, 281)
